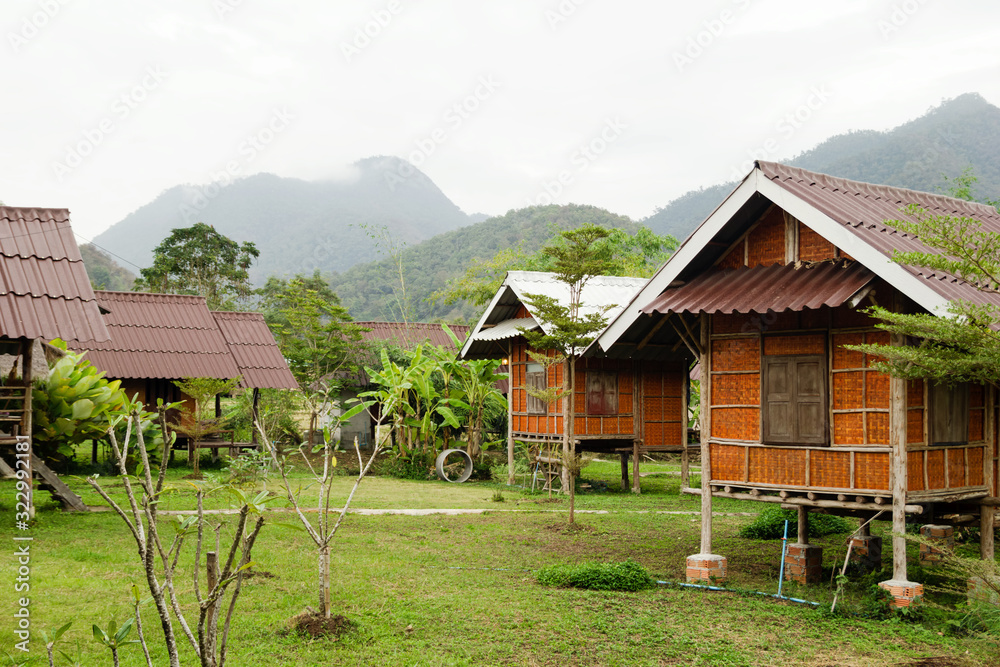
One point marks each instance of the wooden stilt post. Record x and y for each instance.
(706, 566)
(565, 477)
(897, 474)
(803, 525)
(904, 592)
(27, 352)
(636, 486)
(510, 414)
(706, 430)
(987, 513)
(624, 458)
(254, 415)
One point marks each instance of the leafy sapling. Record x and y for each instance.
(50, 642)
(114, 638)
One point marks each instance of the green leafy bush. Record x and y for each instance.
(770, 525)
(417, 466)
(627, 576)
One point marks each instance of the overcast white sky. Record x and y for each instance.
(107, 103)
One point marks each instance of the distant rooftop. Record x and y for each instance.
(44, 289)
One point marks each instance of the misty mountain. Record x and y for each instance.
(959, 133)
(298, 225)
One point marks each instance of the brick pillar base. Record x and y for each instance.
(944, 535)
(804, 563)
(979, 591)
(904, 593)
(866, 552)
(706, 569)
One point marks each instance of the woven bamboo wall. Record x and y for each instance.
(786, 466)
(860, 394)
(778, 465)
(813, 247)
(948, 467)
(915, 414)
(727, 462)
(736, 368)
(664, 407)
(766, 242)
(622, 422)
(915, 472)
(551, 422)
(735, 258)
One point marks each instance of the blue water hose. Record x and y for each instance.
(784, 547)
(777, 596)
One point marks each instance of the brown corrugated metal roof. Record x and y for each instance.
(410, 334)
(44, 288)
(255, 351)
(864, 208)
(166, 336)
(763, 288)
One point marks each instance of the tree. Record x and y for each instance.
(199, 260)
(194, 424)
(578, 258)
(316, 336)
(963, 345)
(638, 254)
(160, 556)
(322, 533)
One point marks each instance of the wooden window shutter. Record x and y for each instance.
(778, 404)
(534, 378)
(795, 400)
(610, 393)
(949, 415)
(602, 393)
(810, 403)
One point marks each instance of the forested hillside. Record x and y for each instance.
(104, 272)
(299, 226)
(369, 291)
(957, 134)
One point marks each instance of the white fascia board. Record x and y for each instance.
(837, 234)
(680, 259)
(483, 319)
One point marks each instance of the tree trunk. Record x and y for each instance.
(569, 419)
(324, 581)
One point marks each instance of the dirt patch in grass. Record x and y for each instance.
(259, 574)
(935, 661)
(564, 528)
(315, 625)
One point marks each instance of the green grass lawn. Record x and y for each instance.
(459, 590)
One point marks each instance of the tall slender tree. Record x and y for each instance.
(574, 261)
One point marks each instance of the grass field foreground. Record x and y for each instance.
(460, 590)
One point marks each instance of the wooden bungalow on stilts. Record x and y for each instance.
(622, 406)
(257, 355)
(45, 295)
(768, 291)
(156, 339)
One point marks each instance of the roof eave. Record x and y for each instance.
(688, 251)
